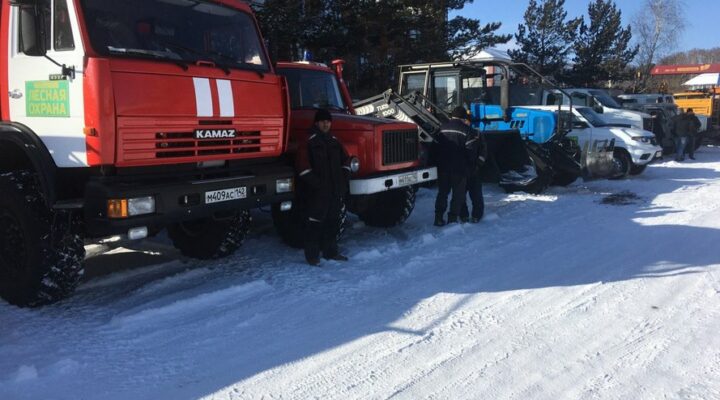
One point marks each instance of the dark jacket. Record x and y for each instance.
(459, 148)
(476, 151)
(685, 124)
(326, 178)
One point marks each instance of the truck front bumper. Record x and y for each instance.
(642, 155)
(390, 182)
(181, 198)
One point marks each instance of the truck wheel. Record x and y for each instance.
(290, 225)
(387, 209)
(636, 169)
(622, 162)
(41, 260)
(212, 237)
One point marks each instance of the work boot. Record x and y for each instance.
(336, 257)
(313, 261)
(691, 157)
(464, 220)
(474, 220)
(439, 221)
(452, 220)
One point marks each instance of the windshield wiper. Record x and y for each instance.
(149, 54)
(245, 65)
(196, 52)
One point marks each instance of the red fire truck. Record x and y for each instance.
(386, 160)
(127, 117)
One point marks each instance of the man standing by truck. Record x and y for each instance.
(452, 165)
(684, 127)
(324, 184)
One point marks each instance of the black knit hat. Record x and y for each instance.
(459, 112)
(323, 115)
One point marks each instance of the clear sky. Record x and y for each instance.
(702, 16)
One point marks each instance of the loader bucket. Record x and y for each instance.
(597, 159)
(514, 164)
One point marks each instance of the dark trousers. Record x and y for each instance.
(455, 183)
(680, 145)
(321, 234)
(690, 146)
(474, 190)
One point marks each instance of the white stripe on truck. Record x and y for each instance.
(203, 97)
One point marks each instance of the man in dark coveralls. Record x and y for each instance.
(325, 184)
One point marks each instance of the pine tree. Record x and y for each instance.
(602, 48)
(545, 39)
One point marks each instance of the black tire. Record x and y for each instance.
(636, 169)
(212, 237)
(622, 162)
(388, 209)
(41, 259)
(290, 225)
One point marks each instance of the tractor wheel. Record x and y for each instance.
(41, 259)
(387, 209)
(211, 237)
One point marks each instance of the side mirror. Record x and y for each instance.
(33, 36)
(598, 109)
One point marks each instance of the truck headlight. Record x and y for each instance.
(643, 139)
(354, 164)
(124, 208)
(284, 185)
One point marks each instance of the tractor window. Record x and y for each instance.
(413, 83)
(446, 91)
(62, 30)
(175, 30)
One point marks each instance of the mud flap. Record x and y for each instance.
(597, 159)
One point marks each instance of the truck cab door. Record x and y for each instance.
(581, 132)
(40, 96)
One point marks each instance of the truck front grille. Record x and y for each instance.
(400, 146)
(148, 142)
(184, 144)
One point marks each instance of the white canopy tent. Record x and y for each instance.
(704, 80)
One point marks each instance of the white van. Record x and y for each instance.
(602, 103)
(634, 148)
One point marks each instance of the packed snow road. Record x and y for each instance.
(601, 290)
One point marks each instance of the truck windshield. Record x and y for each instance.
(312, 89)
(591, 116)
(605, 99)
(175, 30)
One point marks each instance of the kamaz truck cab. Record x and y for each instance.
(385, 156)
(125, 118)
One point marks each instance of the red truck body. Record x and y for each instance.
(130, 117)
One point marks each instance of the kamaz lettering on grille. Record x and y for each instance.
(215, 133)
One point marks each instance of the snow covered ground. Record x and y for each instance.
(556, 296)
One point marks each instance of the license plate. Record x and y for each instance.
(408, 179)
(218, 196)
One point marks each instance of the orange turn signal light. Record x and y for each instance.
(117, 208)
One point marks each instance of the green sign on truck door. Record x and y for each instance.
(47, 98)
